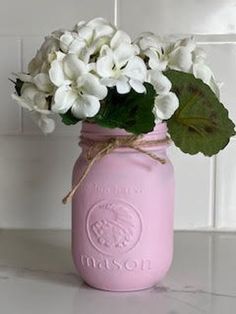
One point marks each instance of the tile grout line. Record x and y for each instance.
(210, 261)
(116, 12)
(212, 192)
(21, 69)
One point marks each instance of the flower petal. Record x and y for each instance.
(35, 65)
(110, 82)
(123, 53)
(46, 124)
(73, 66)
(90, 85)
(43, 82)
(103, 31)
(122, 85)
(215, 87)
(78, 26)
(199, 55)
(189, 43)
(136, 69)
(63, 99)
(41, 104)
(29, 90)
(24, 77)
(160, 82)
(86, 33)
(23, 102)
(137, 86)
(165, 106)
(65, 41)
(119, 38)
(98, 44)
(104, 66)
(180, 59)
(85, 106)
(156, 61)
(149, 40)
(77, 46)
(56, 73)
(202, 72)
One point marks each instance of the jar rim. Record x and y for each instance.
(97, 130)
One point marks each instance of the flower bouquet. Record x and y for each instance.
(128, 94)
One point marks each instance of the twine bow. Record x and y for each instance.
(99, 149)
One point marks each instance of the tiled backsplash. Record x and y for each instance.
(35, 170)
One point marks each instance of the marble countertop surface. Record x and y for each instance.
(37, 276)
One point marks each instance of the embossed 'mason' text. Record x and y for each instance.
(114, 189)
(115, 264)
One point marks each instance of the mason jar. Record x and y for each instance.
(122, 213)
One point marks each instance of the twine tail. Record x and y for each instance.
(70, 195)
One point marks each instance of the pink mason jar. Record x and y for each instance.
(122, 214)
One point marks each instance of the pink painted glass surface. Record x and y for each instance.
(122, 215)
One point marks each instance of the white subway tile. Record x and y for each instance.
(222, 60)
(9, 62)
(225, 187)
(35, 174)
(40, 17)
(171, 16)
(192, 189)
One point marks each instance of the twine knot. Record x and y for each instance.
(99, 149)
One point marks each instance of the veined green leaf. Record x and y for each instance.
(201, 123)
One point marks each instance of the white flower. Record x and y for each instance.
(94, 29)
(154, 50)
(36, 102)
(71, 43)
(148, 40)
(78, 89)
(187, 57)
(119, 65)
(87, 38)
(47, 125)
(166, 102)
(40, 80)
(165, 106)
(180, 54)
(152, 47)
(159, 81)
(41, 62)
(202, 71)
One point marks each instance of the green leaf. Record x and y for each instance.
(132, 111)
(201, 123)
(68, 118)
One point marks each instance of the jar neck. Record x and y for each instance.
(93, 135)
(96, 132)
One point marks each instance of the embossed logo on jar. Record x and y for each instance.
(113, 227)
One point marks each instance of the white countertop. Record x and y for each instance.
(37, 277)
